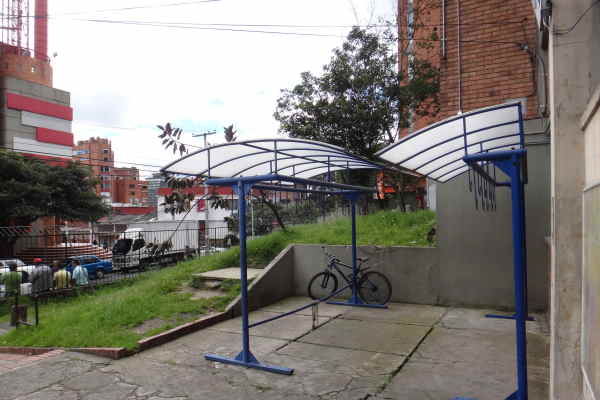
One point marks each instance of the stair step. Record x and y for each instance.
(213, 279)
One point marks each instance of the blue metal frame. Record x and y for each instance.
(465, 134)
(511, 162)
(354, 299)
(243, 186)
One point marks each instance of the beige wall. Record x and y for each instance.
(573, 75)
(590, 340)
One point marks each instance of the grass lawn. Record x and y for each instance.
(106, 316)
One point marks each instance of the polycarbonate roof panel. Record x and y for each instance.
(437, 151)
(291, 157)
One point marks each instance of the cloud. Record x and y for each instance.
(136, 77)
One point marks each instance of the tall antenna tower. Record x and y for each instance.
(15, 25)
(22, 58)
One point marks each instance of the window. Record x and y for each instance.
(105, 169)
(106, 159)
(106, 151)
(132, 186)
(106, 186)
(132, 194)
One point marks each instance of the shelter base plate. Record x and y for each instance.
(251, 363)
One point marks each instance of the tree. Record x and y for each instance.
(361, 101)
(180, 202)
(30, 189)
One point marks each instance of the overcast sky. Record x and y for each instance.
(134, 77)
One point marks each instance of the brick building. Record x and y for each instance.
(484, 49)
(35, 118)
(97, 153)
(117, 185)
(128, 188)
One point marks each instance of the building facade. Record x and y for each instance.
(128, 188)
(116, 185)
(487, 54)
(35, 118)
(97, 153)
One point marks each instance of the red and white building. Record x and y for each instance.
(35, 118)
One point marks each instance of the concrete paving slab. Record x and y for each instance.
(398, 313)
(230, 273)
(380, 337)
(467, 318)
(363, 363)
(290, 303)
(288, 328)
(355, 362)
(443, 380)
(481, 346)
(190, 350)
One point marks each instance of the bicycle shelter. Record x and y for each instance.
(288, 165)
(478, 143)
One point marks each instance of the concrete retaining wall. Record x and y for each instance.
(413, 271)
(275, 283)
(475, 247)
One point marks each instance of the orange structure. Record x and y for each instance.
(19, 60)
(128, 188)
(484, 50)
(98, 154)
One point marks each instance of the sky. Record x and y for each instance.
(124, 79)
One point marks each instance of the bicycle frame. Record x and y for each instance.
(333, 265)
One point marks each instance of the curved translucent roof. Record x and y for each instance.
(437, 151)
(291, 157)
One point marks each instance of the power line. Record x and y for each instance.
(148, 6)
(166, 25)
(565, 31)
(61, 157)
(207, 28)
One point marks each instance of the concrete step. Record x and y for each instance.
(214, 279)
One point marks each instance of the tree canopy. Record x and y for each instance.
(360, 101)
(30, 189)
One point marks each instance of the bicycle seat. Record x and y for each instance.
(362, 259)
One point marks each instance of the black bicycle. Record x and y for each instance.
(373, 287)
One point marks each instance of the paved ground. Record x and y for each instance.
(407, 352)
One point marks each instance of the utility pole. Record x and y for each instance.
(206, 201)
(205, 134)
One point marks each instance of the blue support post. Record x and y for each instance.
(354, 299)
(513, 167)
(245, 357)
(510, 163)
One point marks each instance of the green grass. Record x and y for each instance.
(105, 317)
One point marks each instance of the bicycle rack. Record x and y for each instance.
(242, 186)
(354, 300)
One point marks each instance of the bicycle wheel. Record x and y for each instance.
(322, 285)
(374, 288)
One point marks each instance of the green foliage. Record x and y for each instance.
(361, 100)
(105, 317)
(30, 189)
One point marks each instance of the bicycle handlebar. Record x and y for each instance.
(332, 257)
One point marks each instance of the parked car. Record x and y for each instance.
(23, 268)
(96, 267)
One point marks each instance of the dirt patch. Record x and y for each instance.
(151, 324)
(199, 294)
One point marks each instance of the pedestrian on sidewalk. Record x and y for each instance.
(80, 274)
(12, 280)
(62, 278)
(41, 277)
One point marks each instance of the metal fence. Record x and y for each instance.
(55, 263)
